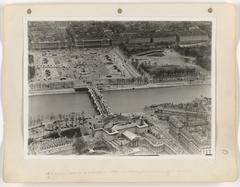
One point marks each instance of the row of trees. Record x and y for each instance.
(31, 72)
(133, 81)
(58, 117)
(169, 72)
(202, 55)
(51, 85)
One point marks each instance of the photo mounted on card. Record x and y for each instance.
(119, 87)
(121, 94)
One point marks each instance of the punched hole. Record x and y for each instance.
(210, 10)
(119, 11)
(29, 11)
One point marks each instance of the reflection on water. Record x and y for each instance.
(119, 101)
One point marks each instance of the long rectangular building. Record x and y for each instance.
(193, 38)
(48, 38)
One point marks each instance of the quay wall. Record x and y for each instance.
(113, 88)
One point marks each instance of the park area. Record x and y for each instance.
(77, 64)
(168, 61)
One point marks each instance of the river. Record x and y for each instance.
(136, 100)
(120, 101)
(60, 104)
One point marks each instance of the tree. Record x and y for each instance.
(31, 72)
(80, 145)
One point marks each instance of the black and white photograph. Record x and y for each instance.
(119, 88)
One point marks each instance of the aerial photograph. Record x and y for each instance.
(119, 88)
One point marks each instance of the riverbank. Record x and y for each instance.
(120, 87)
(121, 101)
(156, 85)
(51, 92)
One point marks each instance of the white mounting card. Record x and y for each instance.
(119, 92)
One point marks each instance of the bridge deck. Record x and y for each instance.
(98, 100)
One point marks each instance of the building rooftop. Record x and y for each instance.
(48, 34)
(78, 34)
(164, 34)
(176, 122)
(195, 32)
(129, 135)
(123, 126)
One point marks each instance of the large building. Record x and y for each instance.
(62, 35)
(83, 39)
(139, 39)
(192, 38)
(48, 37)
(196, 141)
(164, 39)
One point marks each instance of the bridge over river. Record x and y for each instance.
(98, 101)
(96, 97)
